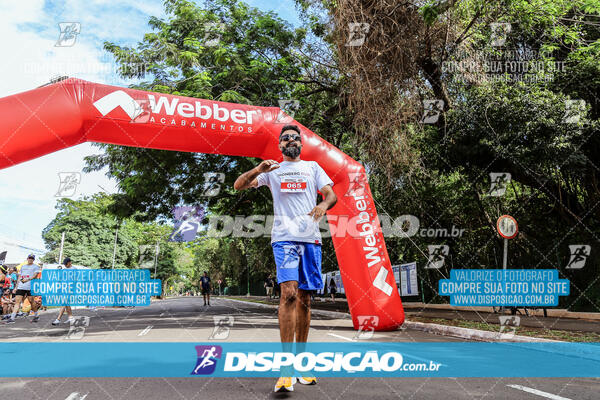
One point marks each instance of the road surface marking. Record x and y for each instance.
(161, 314)
(76, 396)
(145, 331)
(404, 354)
(341, 337)
(538, 392)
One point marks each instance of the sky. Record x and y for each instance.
(29, 31)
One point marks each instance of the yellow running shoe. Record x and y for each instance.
(307, 380)
(285, 384)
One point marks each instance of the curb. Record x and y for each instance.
(473, 334)
(551, 312)
(445, 330)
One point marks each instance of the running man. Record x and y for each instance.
(23, 289)
(578, 255)
(205, 283)
(207, 361)
(295, 238)
(67, 264)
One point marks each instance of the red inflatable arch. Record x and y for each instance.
(72, 111)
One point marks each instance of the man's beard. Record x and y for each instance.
(292, 151)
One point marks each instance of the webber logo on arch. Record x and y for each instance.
(175, 112)
(119, 99)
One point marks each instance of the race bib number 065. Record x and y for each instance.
(293, 185)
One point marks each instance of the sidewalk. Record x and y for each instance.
(558, 319)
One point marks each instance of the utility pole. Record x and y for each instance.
(248, 294)
(62, 243)
(115, 248)
(156, 258)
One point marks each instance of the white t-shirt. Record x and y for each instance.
(27, 271)
(294, 188)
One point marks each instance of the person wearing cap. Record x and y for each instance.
(67, 264)
(22, 290)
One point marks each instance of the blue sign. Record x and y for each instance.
(96, 287)
(251, 359)
(497, 287)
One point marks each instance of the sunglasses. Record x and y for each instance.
(286, 137)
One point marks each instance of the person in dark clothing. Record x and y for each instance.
(269, 283)
(332, 289)
(205, 282)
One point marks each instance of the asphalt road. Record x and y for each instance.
(187, 320)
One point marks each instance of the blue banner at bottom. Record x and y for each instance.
(360, 359)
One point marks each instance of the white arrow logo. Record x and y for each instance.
(380, 282)
(119, 99)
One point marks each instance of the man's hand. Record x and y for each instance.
(248, 179)
(267, 166)
(318, 212)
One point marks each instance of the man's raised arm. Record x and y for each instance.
(248, 179)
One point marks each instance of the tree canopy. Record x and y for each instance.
(518, 81)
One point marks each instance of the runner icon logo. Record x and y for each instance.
(358, 33)
(437, 255)
(579, 255)
(499, 181)
(500, 31)
(77, 328)
(212, 183)
(357, 183)
(188, 220)
(432, 110)
(509, 325)
(142, 111)
(68, 183)
(287, 110)
(574, 109)
(222, 325)
(207, 359)
(366, 326)
(68, 33)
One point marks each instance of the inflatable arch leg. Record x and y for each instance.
(72, 111)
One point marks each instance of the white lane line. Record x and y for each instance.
(341, 337)
(538, 392)
(76, 396)
(404, 354)
(145, 331)
(161, 314)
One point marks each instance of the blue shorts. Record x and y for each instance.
(300, 262)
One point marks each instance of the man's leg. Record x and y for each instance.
(310, 280)
(69, 311)
(34, 305)
(287, 311)
(16, 307)
(34, 308)
(302, 317)
(60, 313)
(208, 298)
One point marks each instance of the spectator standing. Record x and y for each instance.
(269, 283)
(205, 282)
(332, 289)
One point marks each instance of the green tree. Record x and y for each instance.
(89, 234)
(259, 60)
